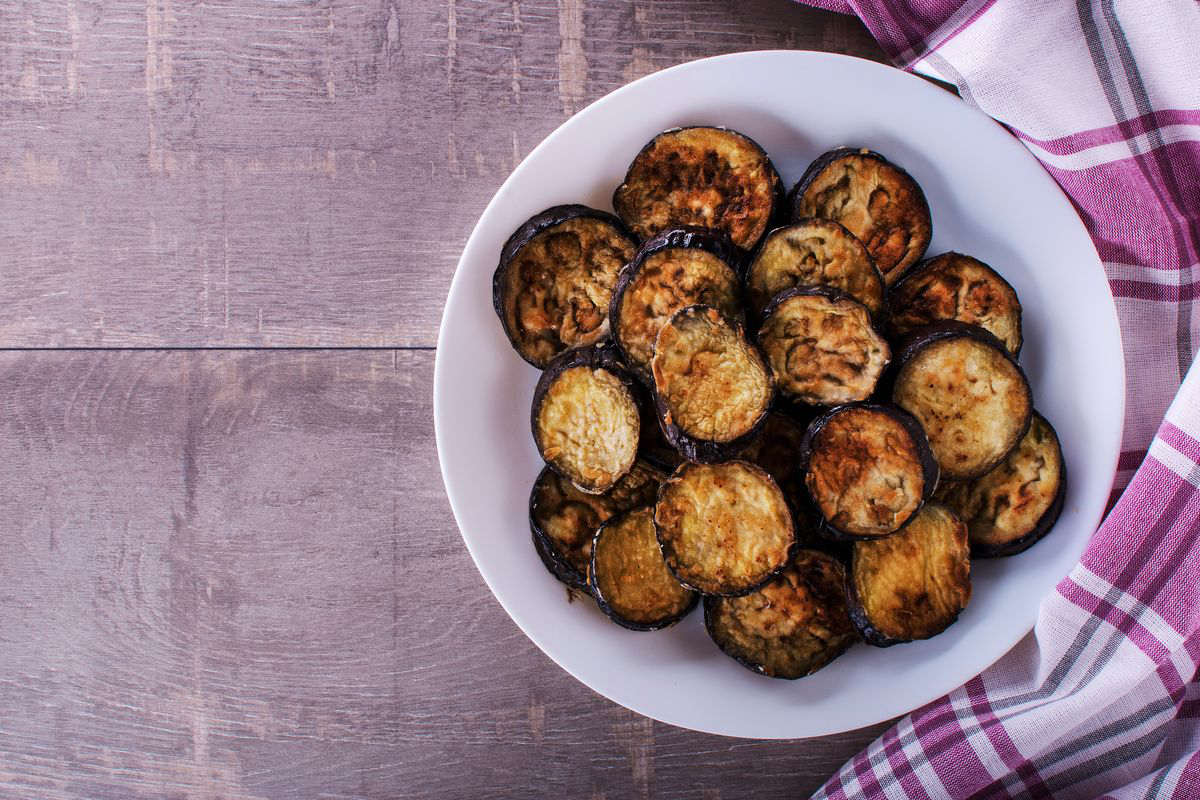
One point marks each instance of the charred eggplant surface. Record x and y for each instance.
(711, 384)
(630, 580)
(912, 585)
(869, 469)
(1016, 504)
(969, 395)
(822, 347)
(813, 252)
(585, 418)
(957, 287)
(555, 280)
(724, 528)
(564, 520)
(874, 199)
(791, 627)
(708, 177)
(676, 269)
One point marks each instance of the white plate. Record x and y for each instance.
(989, 198)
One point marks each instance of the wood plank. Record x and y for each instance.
(234, 574)
(248, 173)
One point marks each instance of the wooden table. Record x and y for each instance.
(227, 565)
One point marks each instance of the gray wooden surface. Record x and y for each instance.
(232, 573)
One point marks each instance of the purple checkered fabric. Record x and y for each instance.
(1101, 699)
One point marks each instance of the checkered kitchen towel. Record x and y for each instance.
(1102, 699)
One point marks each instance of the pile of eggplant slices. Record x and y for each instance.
(772, 402)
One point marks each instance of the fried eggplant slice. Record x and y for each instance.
(630, 580)
(813, 252)
(676, 269)
(969, 394)
(822, 347)
(868, 469)
(791, 627)
(555, 280)
(725, 528)
(712, 387)
(1012, 507)
(585, 418)
(564, 520)
(702, 176)
(956, 287)
(912, 585)
(876, 200)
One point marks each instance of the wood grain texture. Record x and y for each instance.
(244, 172)
(235, 575)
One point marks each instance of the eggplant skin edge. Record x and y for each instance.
(929, 465)
(778, 192)
(1045, 522)
(923, 337)
(600, 356)
(565, 574)
(524, 234)
(593, 589)
(558, 565)
(713, 241)
(705, 451)
(827, 158)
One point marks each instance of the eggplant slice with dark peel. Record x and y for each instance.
(968, 393)
(564, 520)
(711, 385)
(957, 287)
(822, 347)
(702, 176)
(724, 529)
(630, 580)
(1012, 507)
(912, 585)
(585, 418)
(791, 627)
(876, 200)
(676, 269)
(813, 252)
(868, 469)
(555, 280)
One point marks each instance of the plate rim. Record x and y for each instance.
(472, 243)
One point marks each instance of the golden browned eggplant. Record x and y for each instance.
(791, 627)
(969, 394)
(868, 470)
(678, 268)
(630, 580)
(702, 176)
(712, 388)
(1010, 508)
(956, 287)
(813, 252)
(822, 347)
(585, 417)
(914, 584)
(555, 280)
(724, 528)
(876, 200)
